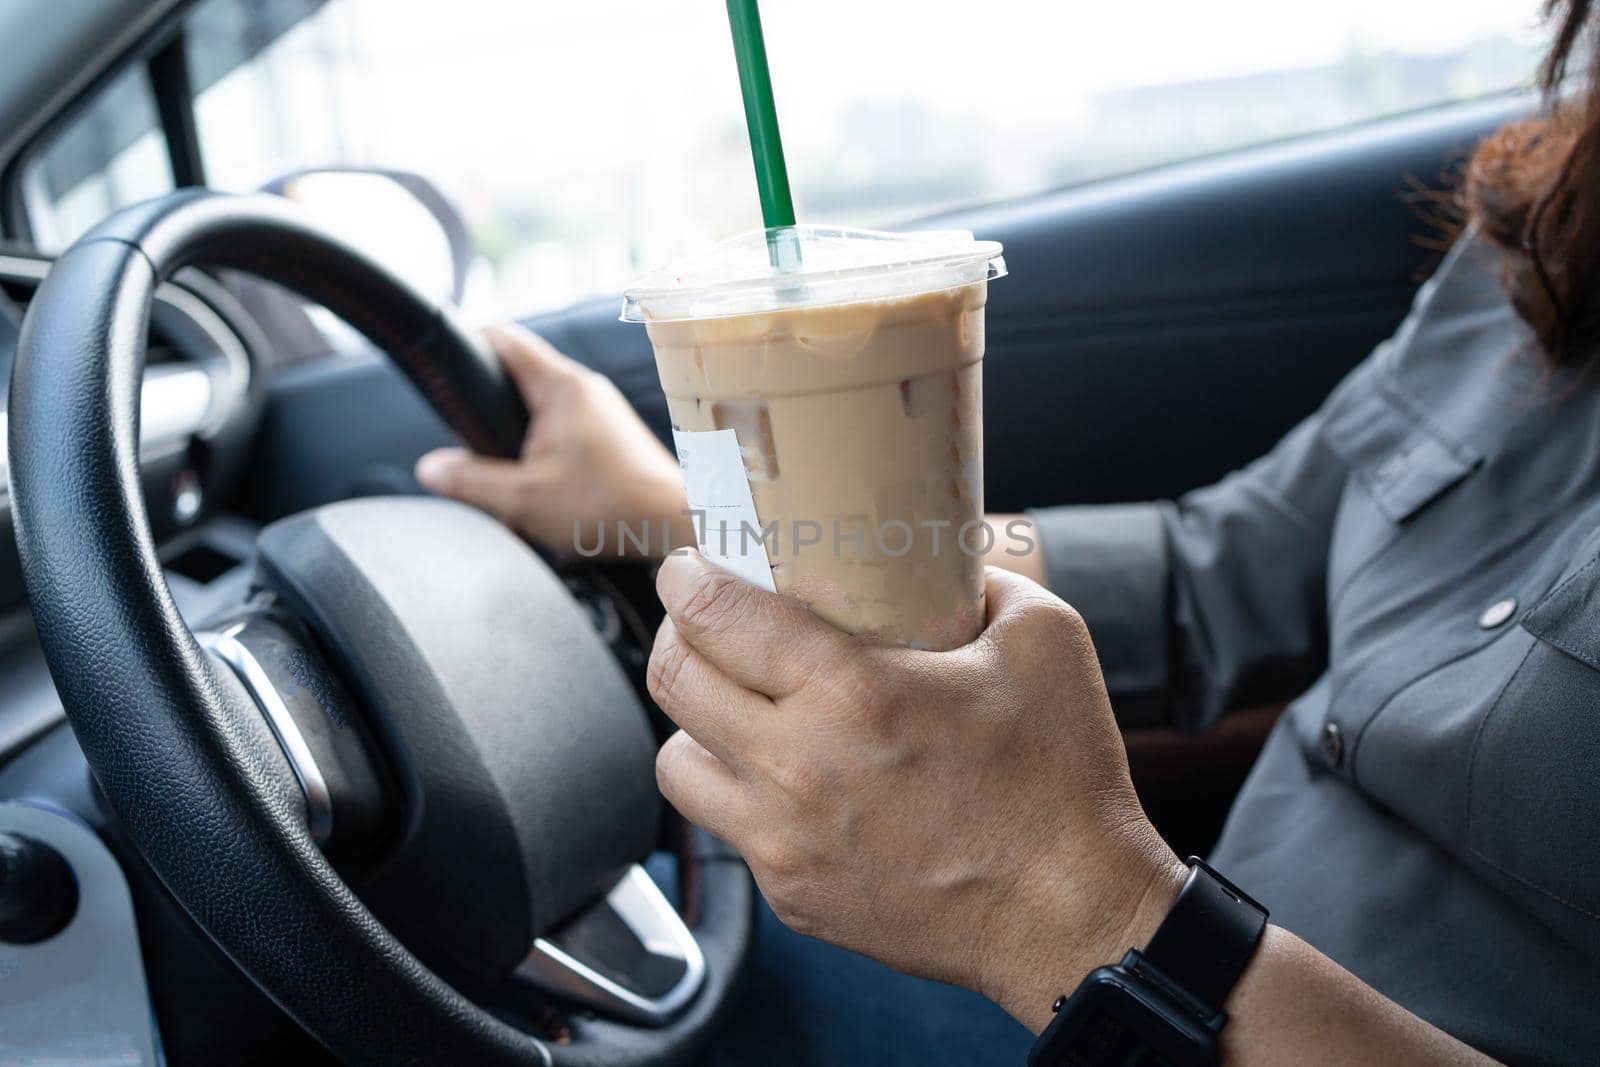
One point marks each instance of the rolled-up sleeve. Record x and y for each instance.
(1111, 563)
(1215, 600)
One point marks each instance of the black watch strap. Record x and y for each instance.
(1207, 938)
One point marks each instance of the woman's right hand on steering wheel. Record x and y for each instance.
(588, 461)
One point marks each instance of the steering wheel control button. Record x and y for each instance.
(1333, 744)
(1498, 614)
(38, 892)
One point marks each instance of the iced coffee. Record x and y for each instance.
(849, 396)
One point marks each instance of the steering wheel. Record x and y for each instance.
(410, 731)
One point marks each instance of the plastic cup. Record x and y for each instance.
(829, 420)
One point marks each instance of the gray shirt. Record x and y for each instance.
(1419, 561)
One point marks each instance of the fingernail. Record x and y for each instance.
(434, 469)
(686, 558)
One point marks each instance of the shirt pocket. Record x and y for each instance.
(1396, 451)
(1533, 778)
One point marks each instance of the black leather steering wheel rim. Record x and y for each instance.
(187, 765)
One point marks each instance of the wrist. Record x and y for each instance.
(1068, 926)
(666, 508)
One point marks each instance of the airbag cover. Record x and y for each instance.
(524, 758)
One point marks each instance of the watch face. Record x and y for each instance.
(1111, 1022)
(1106, 1041)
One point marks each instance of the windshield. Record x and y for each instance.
(584, 143)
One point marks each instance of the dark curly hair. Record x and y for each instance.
(1533, 190)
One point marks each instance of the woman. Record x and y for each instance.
(1420, 560)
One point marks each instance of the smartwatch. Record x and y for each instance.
(1162, 1007)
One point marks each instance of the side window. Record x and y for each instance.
(108, 156)
(582, 142)
(268, 82)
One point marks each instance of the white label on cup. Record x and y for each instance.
(718, 489)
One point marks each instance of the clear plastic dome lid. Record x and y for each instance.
(821, 265)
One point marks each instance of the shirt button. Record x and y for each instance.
(1333, 743)
(1497, 613)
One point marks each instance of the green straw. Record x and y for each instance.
(761, 116)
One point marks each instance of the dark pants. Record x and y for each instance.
(808, 1004)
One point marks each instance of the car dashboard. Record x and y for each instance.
(198, 405)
